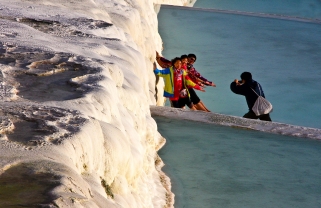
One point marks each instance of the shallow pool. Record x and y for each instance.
(215, 166)
(282, 55)
(298, 8)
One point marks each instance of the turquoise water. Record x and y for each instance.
(220, 167)
(283, 56)
(300, 8)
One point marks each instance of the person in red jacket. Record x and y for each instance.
(178, 82)
(198, 104)
(195, 75)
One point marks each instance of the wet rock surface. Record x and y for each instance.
(34, 125)
(24, 185)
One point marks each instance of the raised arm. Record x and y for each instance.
(163, 62)
(193, 72)
(237, 88)
(192, 84)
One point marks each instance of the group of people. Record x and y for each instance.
(181, 78)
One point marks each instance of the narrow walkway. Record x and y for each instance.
(236, 122)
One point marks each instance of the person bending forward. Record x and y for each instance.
(245, 88)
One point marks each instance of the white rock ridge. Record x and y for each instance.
(76, 84)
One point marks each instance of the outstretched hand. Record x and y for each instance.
(210, 84)
(202, 90)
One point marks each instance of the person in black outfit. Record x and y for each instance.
(245, 87)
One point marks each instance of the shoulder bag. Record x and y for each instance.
(261, 105)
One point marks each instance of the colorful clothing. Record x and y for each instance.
(171, 86)
(164, 63)
(196, 76)
(178, 83)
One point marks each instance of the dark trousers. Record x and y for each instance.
(181, 102)
(194, 98)
(251, 115)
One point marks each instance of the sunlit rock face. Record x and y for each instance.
(76, 84)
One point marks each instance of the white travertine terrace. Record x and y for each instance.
(76, 84)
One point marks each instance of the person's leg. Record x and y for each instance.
(250, 115)
(265, 117)
(192, 107)
(189, 103)
(186, 101)
(175, 103)
(198, 104)
(171, 102)
(201, 102)
(194, 98)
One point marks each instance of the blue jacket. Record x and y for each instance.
(246, 90)
(168, 75)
